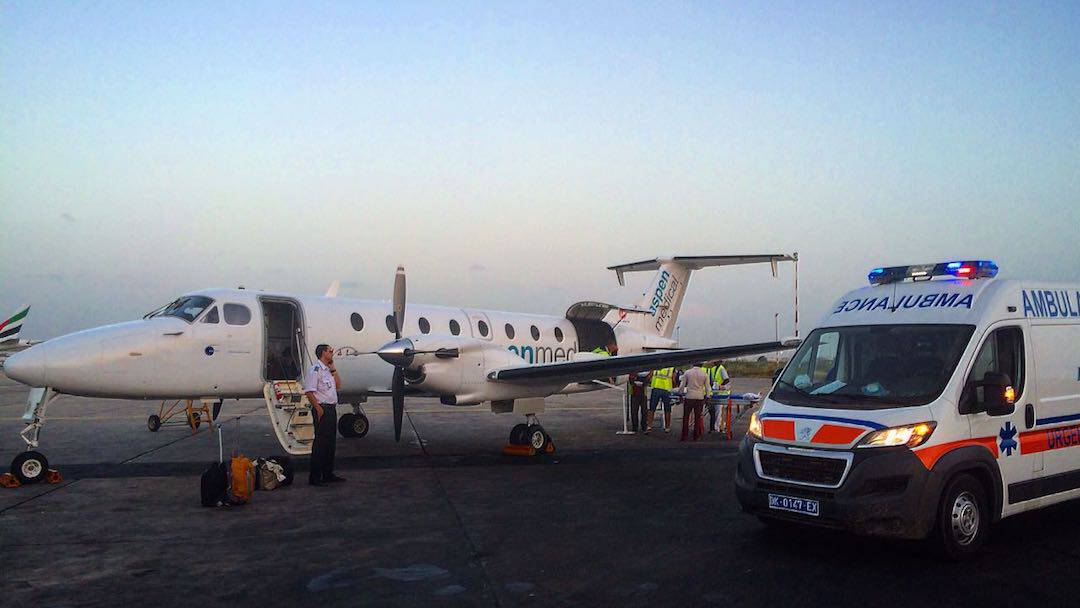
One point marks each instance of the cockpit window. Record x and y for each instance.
(212, 316)
(186, 308)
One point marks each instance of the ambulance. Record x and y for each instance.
(929, 404)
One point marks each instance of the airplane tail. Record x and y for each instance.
(10, 327)
(656, 312)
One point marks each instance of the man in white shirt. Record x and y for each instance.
(321, 382)
(694, 387)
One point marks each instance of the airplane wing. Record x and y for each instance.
(606, 367)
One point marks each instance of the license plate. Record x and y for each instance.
(792, 504)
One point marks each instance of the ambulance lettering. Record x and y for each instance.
(926, 300)
(1050, 303)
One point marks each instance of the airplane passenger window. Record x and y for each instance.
(390, 323)
(212, 316)
(509, 331)
(482, 328)
(236, 314)
(455, 327)
(357, 321)
(425, 327)
(535, 331)
(558, 334)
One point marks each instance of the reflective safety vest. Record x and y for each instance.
(716, 376)
(662, 378)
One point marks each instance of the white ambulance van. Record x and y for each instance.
(932, 402)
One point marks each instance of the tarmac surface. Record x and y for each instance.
(444, 519)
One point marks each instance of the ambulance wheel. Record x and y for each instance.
(153, 423)
(29, 467)
(519, 435)
(538, 438)
(353, 425)
(963, 518)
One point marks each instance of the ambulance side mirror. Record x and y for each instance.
(999, 397)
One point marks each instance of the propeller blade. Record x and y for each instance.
(399, 301)
(398, 398)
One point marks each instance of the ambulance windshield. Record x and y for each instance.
(872, 366)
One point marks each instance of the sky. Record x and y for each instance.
(507, 153)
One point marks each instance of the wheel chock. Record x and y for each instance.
(53, 476)
(7, 480)
(512, 449)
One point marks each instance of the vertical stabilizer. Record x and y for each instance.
(10, 327)
(657, 311)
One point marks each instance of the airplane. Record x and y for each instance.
(219, 344)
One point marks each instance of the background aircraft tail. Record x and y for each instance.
(657, 311)
(10, 327)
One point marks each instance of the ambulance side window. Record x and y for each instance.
(1002, 352)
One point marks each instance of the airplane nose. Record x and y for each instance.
(398, 352)
(27, 367)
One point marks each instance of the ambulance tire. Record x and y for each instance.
(963, 518)
(153, 423)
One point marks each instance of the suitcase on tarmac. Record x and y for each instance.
(214, 481)
(241, 480)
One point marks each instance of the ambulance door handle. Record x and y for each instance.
(1029, 415)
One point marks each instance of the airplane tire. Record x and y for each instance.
(519, 435)
(30, 467)
(360, 426)
(538, 437)
(345, 425)
(153, 423)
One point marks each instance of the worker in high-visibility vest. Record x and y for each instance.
(719, 392)
(661, 383)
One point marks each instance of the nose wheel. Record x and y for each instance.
(30, 467)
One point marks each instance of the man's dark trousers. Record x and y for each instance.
(324, 448)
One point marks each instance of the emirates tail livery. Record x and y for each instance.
(222, 344)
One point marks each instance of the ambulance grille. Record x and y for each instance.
(802, 469)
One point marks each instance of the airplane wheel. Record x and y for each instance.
(153, 423)
(345, 425)
(519, 435)
(30, 467)
(360, 426)
(538, 439)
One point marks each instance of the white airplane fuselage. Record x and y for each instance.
(168, 357)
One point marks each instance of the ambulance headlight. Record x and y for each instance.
(911, 435)
(755, 426)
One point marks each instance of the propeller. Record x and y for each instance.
(397, 388)
(399, 353)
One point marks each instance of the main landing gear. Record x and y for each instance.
(31, 466)
(529, 438)
(354, 425)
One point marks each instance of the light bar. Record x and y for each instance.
(970, 269)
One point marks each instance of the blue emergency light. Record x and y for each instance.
(971, 269)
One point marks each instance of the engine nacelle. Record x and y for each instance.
(457, 369)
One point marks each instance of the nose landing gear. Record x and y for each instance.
(31, 466)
